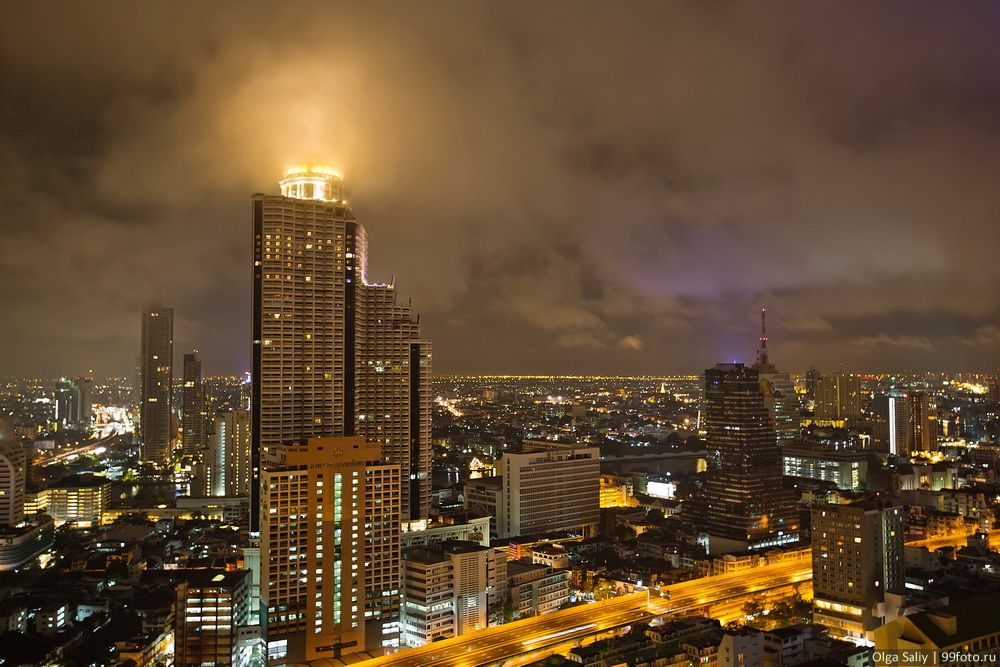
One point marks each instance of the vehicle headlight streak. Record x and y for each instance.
(559, 634)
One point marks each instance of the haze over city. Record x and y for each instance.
(585, 188)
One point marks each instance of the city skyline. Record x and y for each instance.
(560, 190)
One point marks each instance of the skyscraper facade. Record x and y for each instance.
(330, 529)
(194, 416)
(922, 421)
(838, 400)
(13, 468)
(904, 424)
(225, 464)
(746, 506)
(333, 355)
(67, 401)
(85, 407)
(156, 379)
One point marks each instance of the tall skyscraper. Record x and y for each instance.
(857, 554)
(85, 406)
(333, 355)
(156, 382)
(330, 529)
(225, 465)
(923, 422)
(74, 402)
(746, 506)
(904, 424)
(812, 378)
(194, 416)
(778, 390)
(889, 425)
(67, 403)
(21, 538)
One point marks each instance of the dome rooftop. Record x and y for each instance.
(313, 179)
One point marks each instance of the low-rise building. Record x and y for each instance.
(22, 544)
(741, 648)
(847, 468)
(445, 590)
(80, 500)
(608, 651)
(537, 589)
(971, 626)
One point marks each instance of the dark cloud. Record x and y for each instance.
(585, 187)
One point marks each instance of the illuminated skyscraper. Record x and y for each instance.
(333, 355)
(904, 424)
(156, 378)
(747, 508)
(12, 475)
(194, 417)
(74, 402)
(225, 464)
(330, 529)
(922, 421)
(838, 400)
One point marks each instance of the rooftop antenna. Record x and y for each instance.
(762, 350)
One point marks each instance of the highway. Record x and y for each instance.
(89, 447)
(494, 645)
(953, 541)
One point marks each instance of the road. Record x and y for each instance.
(494, 645)
(953, 541)
(87, 448)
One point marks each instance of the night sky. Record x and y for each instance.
(586, 187)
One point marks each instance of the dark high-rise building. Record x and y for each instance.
(923, 422)
(889, 425)
(194, 415)
(812, 378)
(67, 401)
(333, 355)
(156, 379)
(746, 506)
(74, 402)
(85, 387)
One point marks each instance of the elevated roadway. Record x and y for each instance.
(494, 646)
(956, 541)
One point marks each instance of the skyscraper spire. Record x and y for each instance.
(780, 397)
(762, 350)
